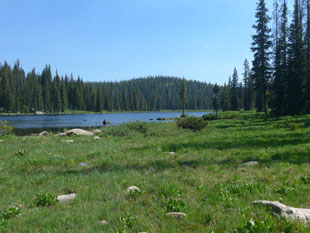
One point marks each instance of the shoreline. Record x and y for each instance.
(93, 113)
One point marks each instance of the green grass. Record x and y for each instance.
(203, 178)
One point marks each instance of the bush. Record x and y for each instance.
(192, 123)
(45, 199)
(5, 128)
(138, 126)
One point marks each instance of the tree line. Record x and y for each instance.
(280, 75)
(26, 93)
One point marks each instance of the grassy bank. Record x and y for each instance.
(203, 178)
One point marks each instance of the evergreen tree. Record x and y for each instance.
(183, 96)
(296, 62)
(248, 87)
(261, 64)
(234, 100)
(307, 43)
(281, 82)
(225, 98)
(215, 104)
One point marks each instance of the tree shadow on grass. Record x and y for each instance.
(269, 141)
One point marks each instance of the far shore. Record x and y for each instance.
(86, 112)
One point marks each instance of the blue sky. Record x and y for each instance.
(115, 40)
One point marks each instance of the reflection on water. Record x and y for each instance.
(25, 125)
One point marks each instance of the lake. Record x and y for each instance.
(27, 124)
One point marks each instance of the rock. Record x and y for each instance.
(44, 133)
(70, 141)
(250, 164)
(97, 131)
(83, 164)
(133, 189)
(65, 198)
(286, 212)
(151, 119)
(151, 169)
(105, 122)
(176, 214)
(76, 132)
(38, 113)
(104, 222)
(172, 153)
(1, 140)
(96, 137)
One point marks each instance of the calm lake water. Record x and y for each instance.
(25, 125)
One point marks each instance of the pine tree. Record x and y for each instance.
(215, 104)
(183, 96)
(261, 64)
(307, 43)
(296, 62)
(248, 87)
(234, 100)
(281, 82)
(225, 98)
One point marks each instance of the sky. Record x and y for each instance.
(114, 40)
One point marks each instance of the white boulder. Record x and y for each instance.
(286, 211)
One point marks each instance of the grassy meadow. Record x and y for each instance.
(204, 178)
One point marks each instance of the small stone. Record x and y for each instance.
(176, 214)
(83, 164)
(104, 222)
(1, 140)
(96, 137)
(250, 164)
(172, 153)
(97, 131)
(133, 189)
(70, 141)
(151, 169)
(65, 198)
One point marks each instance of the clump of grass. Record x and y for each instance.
(11, 212)
(174, 205)
(286, 188)
(20, 152)
(45, 199)
(305, 179)
(128, 222)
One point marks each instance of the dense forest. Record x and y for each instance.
(24, 93)
(280, 75)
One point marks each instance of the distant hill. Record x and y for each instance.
(21, 92)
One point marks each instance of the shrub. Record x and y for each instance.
(138, 126)
(5, 128)
(45, 199)
(192, 123)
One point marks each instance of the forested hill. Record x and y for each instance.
(23, 93)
